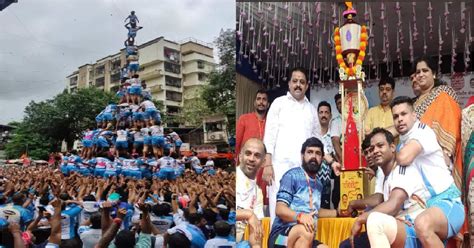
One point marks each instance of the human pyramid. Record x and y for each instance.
(129, 138)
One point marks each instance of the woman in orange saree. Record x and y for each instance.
(438, 107)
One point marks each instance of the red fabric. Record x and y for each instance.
(470, 101)
(249, 126)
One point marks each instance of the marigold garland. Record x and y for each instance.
(362, 46)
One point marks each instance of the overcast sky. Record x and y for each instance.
(42, 42)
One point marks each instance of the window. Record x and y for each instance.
(73, 81)
(171, 55)
(99, 70)
(173, 96)
(200, 64)
(116, 65)
(100, 82)
(174, 68)
(115, 78)
(202, 76)
(173, 81)
(171, 110)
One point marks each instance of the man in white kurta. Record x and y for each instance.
(290, 121)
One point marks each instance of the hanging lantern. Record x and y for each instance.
(350, 44)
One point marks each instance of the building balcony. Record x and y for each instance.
(194, 83)
(156, 88)
(151, 74)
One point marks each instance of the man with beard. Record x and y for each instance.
(381, 115)
(419, 148)
(290, 121)
(299, 200)
(249, 199)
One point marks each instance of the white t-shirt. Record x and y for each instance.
(379, 178)
(336, 126)
(138, 135)
(409, 179)
(219, 242)
(147, 104)
(248, 196)
(167, 162)
(145, 131)
(430, 162)
(90, 237)
(209, 164)
(195, 162)
(156, 130)
(122, 135)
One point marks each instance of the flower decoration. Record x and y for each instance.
(350, 71)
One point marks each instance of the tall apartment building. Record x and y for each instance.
(174, 72)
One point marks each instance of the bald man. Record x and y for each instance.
(249, 197)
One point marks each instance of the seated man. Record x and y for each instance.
(249, 197)
(369, 202)
(299, 200)
(402, 190)
(420, 148)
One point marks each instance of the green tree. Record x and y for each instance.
(26, 140)
(220, 93)
(193, 112)
(65, 117)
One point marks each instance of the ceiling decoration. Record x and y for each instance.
(273, 37)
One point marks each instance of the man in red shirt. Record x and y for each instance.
(252, 125)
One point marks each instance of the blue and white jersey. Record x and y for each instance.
(175, 136)
(74, 160)
(218, 242)
(137, 136)
(195, 162)
(209, 165)
(156, 130)
(130, 164)
(294, 191)
(122, 135)
(16, 214)
(112, 166)
(145, 132)
(88, 135)
(192, 232)
(101, 163)
(162, 223)
(95, 133)
(147, 104)
(167, 162)
(65, 160)
(110, 108)
(69, 219)
(106, 133)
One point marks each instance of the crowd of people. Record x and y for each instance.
(290, 152)
(42, 207)
(127, 187)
